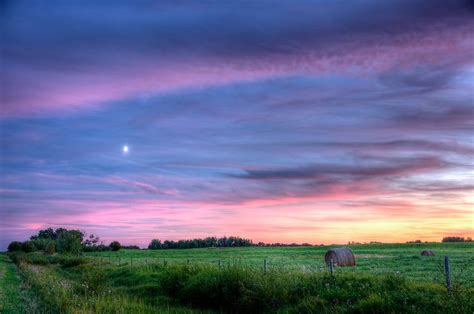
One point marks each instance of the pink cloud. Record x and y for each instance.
(31, 91)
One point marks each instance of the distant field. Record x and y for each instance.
(402, 259)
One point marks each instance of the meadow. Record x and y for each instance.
(389, 278)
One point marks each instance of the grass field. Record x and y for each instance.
(403, 259)
(388, 279)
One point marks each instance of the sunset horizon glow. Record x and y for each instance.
(301, 121)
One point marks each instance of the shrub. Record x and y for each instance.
(50, 248)
(28, 246)
(14, 246)
(70, 241)
(17, 257)
(71, 261)
(115, 246)
(37, 259)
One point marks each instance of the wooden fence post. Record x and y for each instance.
(265, 266)
(219, 263)
(331, 267)
(447, 272)
(131, 261)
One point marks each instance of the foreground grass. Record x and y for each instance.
(10, 294)
(84, 285)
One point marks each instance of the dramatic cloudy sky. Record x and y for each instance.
(310, 121)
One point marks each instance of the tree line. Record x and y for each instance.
(62, 240)
(156, 244)
(222, 242)
(456, 239)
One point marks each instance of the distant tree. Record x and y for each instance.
(15, 246)
(92, 240)
(49, 234)
(70, 241)
(115, 246)
(155, 244)
(453, 239)
(468, 239)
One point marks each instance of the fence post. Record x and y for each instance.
(119, 261)
(331, 267)
(219, 263)
(131, 261)
(265, 266)
(447, 272)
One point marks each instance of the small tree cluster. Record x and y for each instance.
(63, 241)
(456, 239)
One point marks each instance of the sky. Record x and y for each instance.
(280, 121)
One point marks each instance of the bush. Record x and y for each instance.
(17, 257)
(50, 248)
(37, 259)
(28, 246)
(115, 246)
(14, 246)
(70, 241)
(71, 261)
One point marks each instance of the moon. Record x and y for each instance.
(125, 149)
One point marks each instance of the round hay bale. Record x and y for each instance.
(342, 256)
(427, 253)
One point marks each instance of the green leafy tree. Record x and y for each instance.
(14, 246)
(155, 244)
(70, 241)
(115, 246)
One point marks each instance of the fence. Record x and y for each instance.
(266, 265)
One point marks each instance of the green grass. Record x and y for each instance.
(11, 296)
(388, 279)
(383, 259)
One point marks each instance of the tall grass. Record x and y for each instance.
(240, 289)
